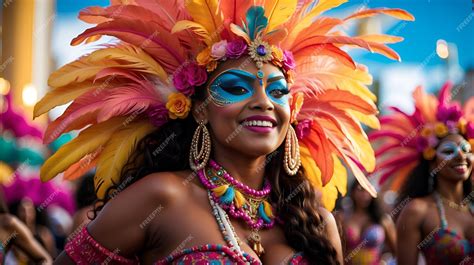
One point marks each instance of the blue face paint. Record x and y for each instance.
(235, 85)
(449, 149)
(231, 87)
(277, 89)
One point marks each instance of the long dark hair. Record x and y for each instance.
(296, 201)
(374, 210)
(422, 181)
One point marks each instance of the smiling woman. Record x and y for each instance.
(433, 172)
(232, 119)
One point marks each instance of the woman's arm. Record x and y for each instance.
(119, 229)
(332, 232)
(24, 240)
(409, 232)
(391, 234)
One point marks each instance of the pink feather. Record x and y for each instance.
(164, 47)
(444, 97)
(128, 100)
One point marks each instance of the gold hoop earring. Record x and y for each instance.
(198, 158)
(292, 159)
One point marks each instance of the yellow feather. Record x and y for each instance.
(62, 95)
(78, 71)
(136, 57)
(312, 171)
(380, 38)
(268, 209)
(87, 142)
(278, 12)
(239, 199)
(116, 152)
(197, 28)
(369, 120)
(337, 184)
(208, 14)
(219, 191)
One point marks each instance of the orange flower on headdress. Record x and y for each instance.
(290, 77)
(204, 57)
(427, 131)
(429, 153)
(440, 129)
(277, 54)
(462, 125)
(178, 105)
(295, 105)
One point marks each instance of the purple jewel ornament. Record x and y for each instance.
(261, 50)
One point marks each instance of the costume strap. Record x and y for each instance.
(83, 249)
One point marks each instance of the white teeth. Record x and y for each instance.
(461, 167)
(257, 123)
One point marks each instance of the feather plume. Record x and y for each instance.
(86, 142)
(278, 12)
(80, 168)
(130, 57)
(394, 12)
(208, 14)
(116, 153)
(164, 47)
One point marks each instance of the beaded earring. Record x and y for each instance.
(198, 158)
(291, 159)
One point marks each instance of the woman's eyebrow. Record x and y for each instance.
(274, 77)
(241, 73)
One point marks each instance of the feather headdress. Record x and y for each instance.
(405, 139)
(168, 48)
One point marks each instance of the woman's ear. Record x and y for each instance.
(199, 110)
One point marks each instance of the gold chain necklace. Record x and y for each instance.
(462, 207)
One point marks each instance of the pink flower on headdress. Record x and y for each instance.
(450, 112)
(303, 128)
(180, 81)
(470, 130)
(236, 48)
(433, 141)
(158, 115)
(189, 76)
(196, 74)
(288, 61)
(218, 50)
(421, 144)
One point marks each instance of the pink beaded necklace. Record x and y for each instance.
(239, 200)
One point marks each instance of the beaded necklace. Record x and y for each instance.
(239, 201)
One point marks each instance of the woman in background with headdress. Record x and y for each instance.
(214, 123)
(429, 154)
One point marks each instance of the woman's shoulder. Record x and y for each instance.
(416, 208)
(167, 186)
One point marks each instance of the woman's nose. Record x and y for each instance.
(260, 100)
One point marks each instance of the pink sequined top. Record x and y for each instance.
(84, 250)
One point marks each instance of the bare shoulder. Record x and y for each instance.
(416, 208)
(327, 216)
(165, 187)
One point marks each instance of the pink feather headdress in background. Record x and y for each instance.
(405, 139)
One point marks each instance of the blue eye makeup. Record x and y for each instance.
(450, 149)
(231, 87)
(278, 91)
(235, 85)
